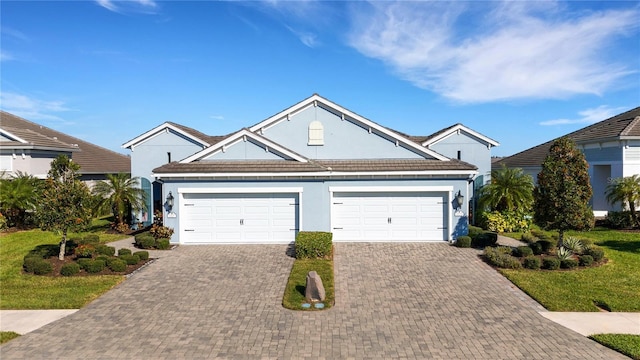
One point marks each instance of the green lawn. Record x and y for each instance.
(25, 291)
(613, 286)
(7, 335)
(294, 292)
(623, 343)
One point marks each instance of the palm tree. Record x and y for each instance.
(510, 189)
(118, 193)
(18, 196)
(625, 190)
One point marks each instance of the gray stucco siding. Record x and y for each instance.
(153, 152)
(245, 150)
(343, 139)
(315, 197)
(472, 150)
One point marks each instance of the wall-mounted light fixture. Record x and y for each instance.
(459, 200)
(169, 202)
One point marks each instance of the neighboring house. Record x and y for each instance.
(315, 166)
(29, 148)
(611, 147)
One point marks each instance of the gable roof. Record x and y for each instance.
(92, 159)
(317, 100)
(451, 130)
(624, 126)
(240, 136)
(185, 131)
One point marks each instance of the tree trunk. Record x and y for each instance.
(63, 245)
(560, 237)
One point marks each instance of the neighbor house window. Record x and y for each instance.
(459, 155)
(169, 157)
(316, 133)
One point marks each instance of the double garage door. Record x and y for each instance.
(239, 218)
(391, 216)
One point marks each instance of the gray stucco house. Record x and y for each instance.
(611, 147)
(29, 148)
(315, 166)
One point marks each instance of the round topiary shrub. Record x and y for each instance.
(546, 245)
(117, 265)
(551, 263)
(124, 251)
(528, 238)
(536, 248)
(102, 257)
(146, 242)
(42, 267)
(463, 242)
(568, 263)
(130, 259)
(143, 255)
(105, 250)
(595, 252)
(95, 266)
(69, 269)
(29, 262)
(83, 262)
(522, 251)
(85, 251)
(585, 260)
(163, 244)
(532, 262)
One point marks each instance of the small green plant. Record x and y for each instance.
(528, 238)
(595, 252)
(522, 251)
(42, 267)
(29, 262)
(585, 260)
(563, 253)
(85, 251)
(95, 266)
(105, 250)
(163, 244)
(143, 255)
(568, 263)
(574, 244)
(551, 263)
(69, 269)
(532, 262)
(130, 259)
(83, 262)
(160, 232)
(546, 245)
(145, 241)
(474, 231)
(463, 242)
(117, 265)
(536, 247)
(124, 251)
(313, 245)
(500, 257)
(485, 239)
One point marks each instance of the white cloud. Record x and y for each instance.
(588, 116)
(122, 6)
(307, 38)
(217, 117)
(467, 52)
(31, 108)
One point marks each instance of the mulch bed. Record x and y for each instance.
(57, 265)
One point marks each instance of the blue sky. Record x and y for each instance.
(521, 73)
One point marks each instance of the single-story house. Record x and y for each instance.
(315, 166)
(29, 148)
(611, 147)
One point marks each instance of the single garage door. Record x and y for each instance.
(389, 216)
(238, 218)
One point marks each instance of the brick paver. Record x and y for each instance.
(410, 300)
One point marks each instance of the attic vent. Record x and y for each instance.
(316, 133)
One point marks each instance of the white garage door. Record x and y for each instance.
(389, 216)
(238, 218)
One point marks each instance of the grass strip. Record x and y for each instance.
(294, 292)
(626, 344)
(7, 335)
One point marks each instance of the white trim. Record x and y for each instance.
(12, 136)
(316, 174)
(237, 190)
(237, 137)
(320, 101)
(456, 130)
(158, 130)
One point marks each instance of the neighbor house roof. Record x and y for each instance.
(92, 159)
(624, 126)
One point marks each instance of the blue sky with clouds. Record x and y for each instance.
(521, 72)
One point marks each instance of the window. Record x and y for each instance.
(169, 157)
(459, 155)
(316, 133)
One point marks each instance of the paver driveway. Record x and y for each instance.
(393, 301)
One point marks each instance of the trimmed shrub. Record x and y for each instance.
(546, 245)
(619, 220)
(105, 250)
(29, 262)
(585, 260)
(69, 269)
(463, 242)
(91, 239)
(528, 238)
(143, 255)
(595, 252)
(117, 265)
(145, 241)
(130, 259)
(568, 263)
(550, 263)
(532, 262)
(536, 247)
(124, 251)
(85, 251)
(500, 257)
(83, 262)
(485, 239)
(474, 231)
(102, 257)
(313, 244)
(161, 232)
(95, 266)
(522, 251)
(163, 244)
(42, 267)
